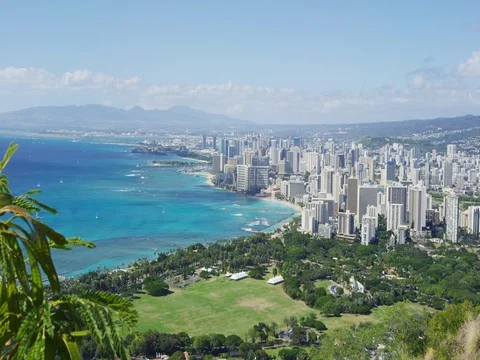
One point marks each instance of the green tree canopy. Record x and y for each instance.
(36, 320)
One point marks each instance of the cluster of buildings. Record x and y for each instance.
(344, 188)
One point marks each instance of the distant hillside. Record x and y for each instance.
(391, 128)
(98, 117)
(410, 127)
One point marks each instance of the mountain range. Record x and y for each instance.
(106, 118)
(182, 118)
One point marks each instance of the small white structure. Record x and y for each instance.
(207, 269)
(239, 276)
(228, 274)
(275, 280)
(356, 285)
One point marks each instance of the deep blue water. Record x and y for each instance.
(141, 209)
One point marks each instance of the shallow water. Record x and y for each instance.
(128, 208)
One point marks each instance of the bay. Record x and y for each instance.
(130, 209)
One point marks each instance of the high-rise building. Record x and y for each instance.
(295, 187)
(308, 220)
(397, 194)
(451, 150)
(474, 220)
(312, 162)
(372, 211)
(274, 155)
(346, 223)
(248, 157)
(242, 178)
(390, 168)
(472, 176)
(257, 177)
(352, 195)
(368, 229)
(327, 180)
(395, 216)
(320, 212)
(417, 208)
(447, 174)
(401, 234)
(218, 162)
(367, 195)
(451, 216)
(426, 175)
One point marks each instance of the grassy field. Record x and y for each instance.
(323, 283)
(220, 305)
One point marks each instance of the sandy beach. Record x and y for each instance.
(208, 176)
(297, 207)
(209, 181)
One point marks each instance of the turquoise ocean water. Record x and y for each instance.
(128, 208)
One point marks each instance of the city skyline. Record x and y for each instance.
(338, 63)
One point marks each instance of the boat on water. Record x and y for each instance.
(61, 180)
(163, 210)
(37, 216)
(38, 185)
(96, 215)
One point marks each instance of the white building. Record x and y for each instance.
(474, 220)
(394, 216)
(417, 208)
(397, 194)
(218, 162)
(295, 187)
(239, 276)
(451, 150)
(368, 229)
(242, 178)
(367, 195)
(275, 280)
(451, 216)
(312, 162)
(346, 223)
(447, 174)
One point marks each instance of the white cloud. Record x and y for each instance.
(471, 68)
(30, 75)
(418, 80)
(429, 92)
(37, 78)
(130, 83)
(76, 78)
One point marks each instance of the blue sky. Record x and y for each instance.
(267, 61)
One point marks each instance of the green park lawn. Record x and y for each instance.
(220, 305)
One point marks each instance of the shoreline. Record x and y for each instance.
(209, 180)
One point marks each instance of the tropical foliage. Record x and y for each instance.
(37, 321)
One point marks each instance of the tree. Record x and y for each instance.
(299, 335)
(155, 286)
(202, 343)
(252, 335)
(292, 354)
(35, 324)
(232, 342)
(204, 274)
(290, 321)
(178, 355)
(273, 329)
(256, 273)
(275, 271)
(331, 309)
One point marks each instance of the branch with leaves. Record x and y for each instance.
(37, 325)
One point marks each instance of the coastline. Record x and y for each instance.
(209, 181)
(133, 188)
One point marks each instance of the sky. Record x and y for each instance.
(266, 61)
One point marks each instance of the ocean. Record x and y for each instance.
(130, 209)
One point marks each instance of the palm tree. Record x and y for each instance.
(36, 320)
